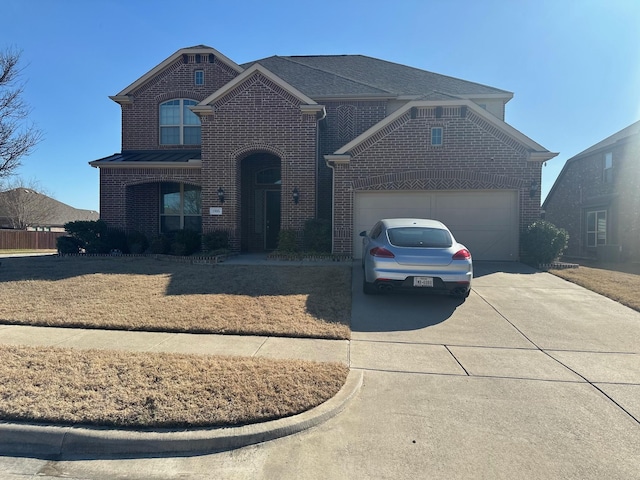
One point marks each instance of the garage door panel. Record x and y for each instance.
(486, 221)
(484, 244)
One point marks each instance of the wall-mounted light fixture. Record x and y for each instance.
(221, 194)
(533, 189)
(295, 195)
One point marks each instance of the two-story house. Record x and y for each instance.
(251, 149)
(596, 198)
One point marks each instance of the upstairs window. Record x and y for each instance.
(436, 136)
(198, 77)
(178, 124)
(596, 228)
(608, 167)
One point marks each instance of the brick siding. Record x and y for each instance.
(582, 188)
(140, 119)
(259, 117)
(474, 155)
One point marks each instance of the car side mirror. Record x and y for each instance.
(363, 233)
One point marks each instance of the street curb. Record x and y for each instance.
(34, 440)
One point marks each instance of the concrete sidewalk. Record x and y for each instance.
(26, 439)
(201, 344)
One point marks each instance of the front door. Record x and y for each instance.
(271, 219)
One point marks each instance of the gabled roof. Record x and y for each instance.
(536, 151)
(361, 76)
(252, 70)
(198, 49)
(633, 129)
(56, 213)
(610, 141)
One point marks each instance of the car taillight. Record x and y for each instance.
(381, 252)
(463, 254)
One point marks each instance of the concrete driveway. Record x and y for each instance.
(532, 377)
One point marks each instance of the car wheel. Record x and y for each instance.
(368, 288)
(462, 296)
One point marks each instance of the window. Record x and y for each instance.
(178, 124)
(180, 207)
(376, 230)
(199, 77)
(608, 167)
(596, 228)
(419, 237)
(270, 176)
(436, 136)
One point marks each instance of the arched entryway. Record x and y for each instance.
(260, 177)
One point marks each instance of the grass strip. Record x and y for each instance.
(157, 390)
(619, 286)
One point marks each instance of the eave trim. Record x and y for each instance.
(170, 60)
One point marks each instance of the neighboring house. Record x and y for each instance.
(25, 209)
(251, 149)
(596, 198)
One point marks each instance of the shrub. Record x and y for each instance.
(90, 234)
(317, 235)
(114, 239)
(543, 242)
(67, 245)
(137, 242)
(287, 241)
(96, 236)
(185, 242)
(216, 240)
(160, 245)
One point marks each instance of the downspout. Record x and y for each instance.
(333, 203)
(324, 115)
(331, 160)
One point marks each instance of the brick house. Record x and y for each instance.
(26, 209)
(252, 149)
(596, 198)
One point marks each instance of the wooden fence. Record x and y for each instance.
(24, 240)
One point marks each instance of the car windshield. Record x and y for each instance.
(419, 237)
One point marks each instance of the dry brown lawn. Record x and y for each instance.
(619, 286)
(157, 390)
(135, 293)
(139, 390)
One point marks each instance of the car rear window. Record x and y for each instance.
(419, 237)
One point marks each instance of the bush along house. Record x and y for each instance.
(258, 148)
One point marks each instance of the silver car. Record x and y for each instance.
(415, 254)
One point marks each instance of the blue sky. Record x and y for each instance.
(573, 65)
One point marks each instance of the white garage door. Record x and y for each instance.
(486, 221)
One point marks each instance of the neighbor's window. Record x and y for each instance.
(608, 167)
(436, 136)
(178, 124)
(180, 207)
(199, 77)
(596, 228)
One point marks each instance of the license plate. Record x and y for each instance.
(423, 281)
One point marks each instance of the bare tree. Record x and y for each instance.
(17, 136)
(23, 205)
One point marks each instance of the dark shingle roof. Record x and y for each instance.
(358, 75)
(56, 213)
